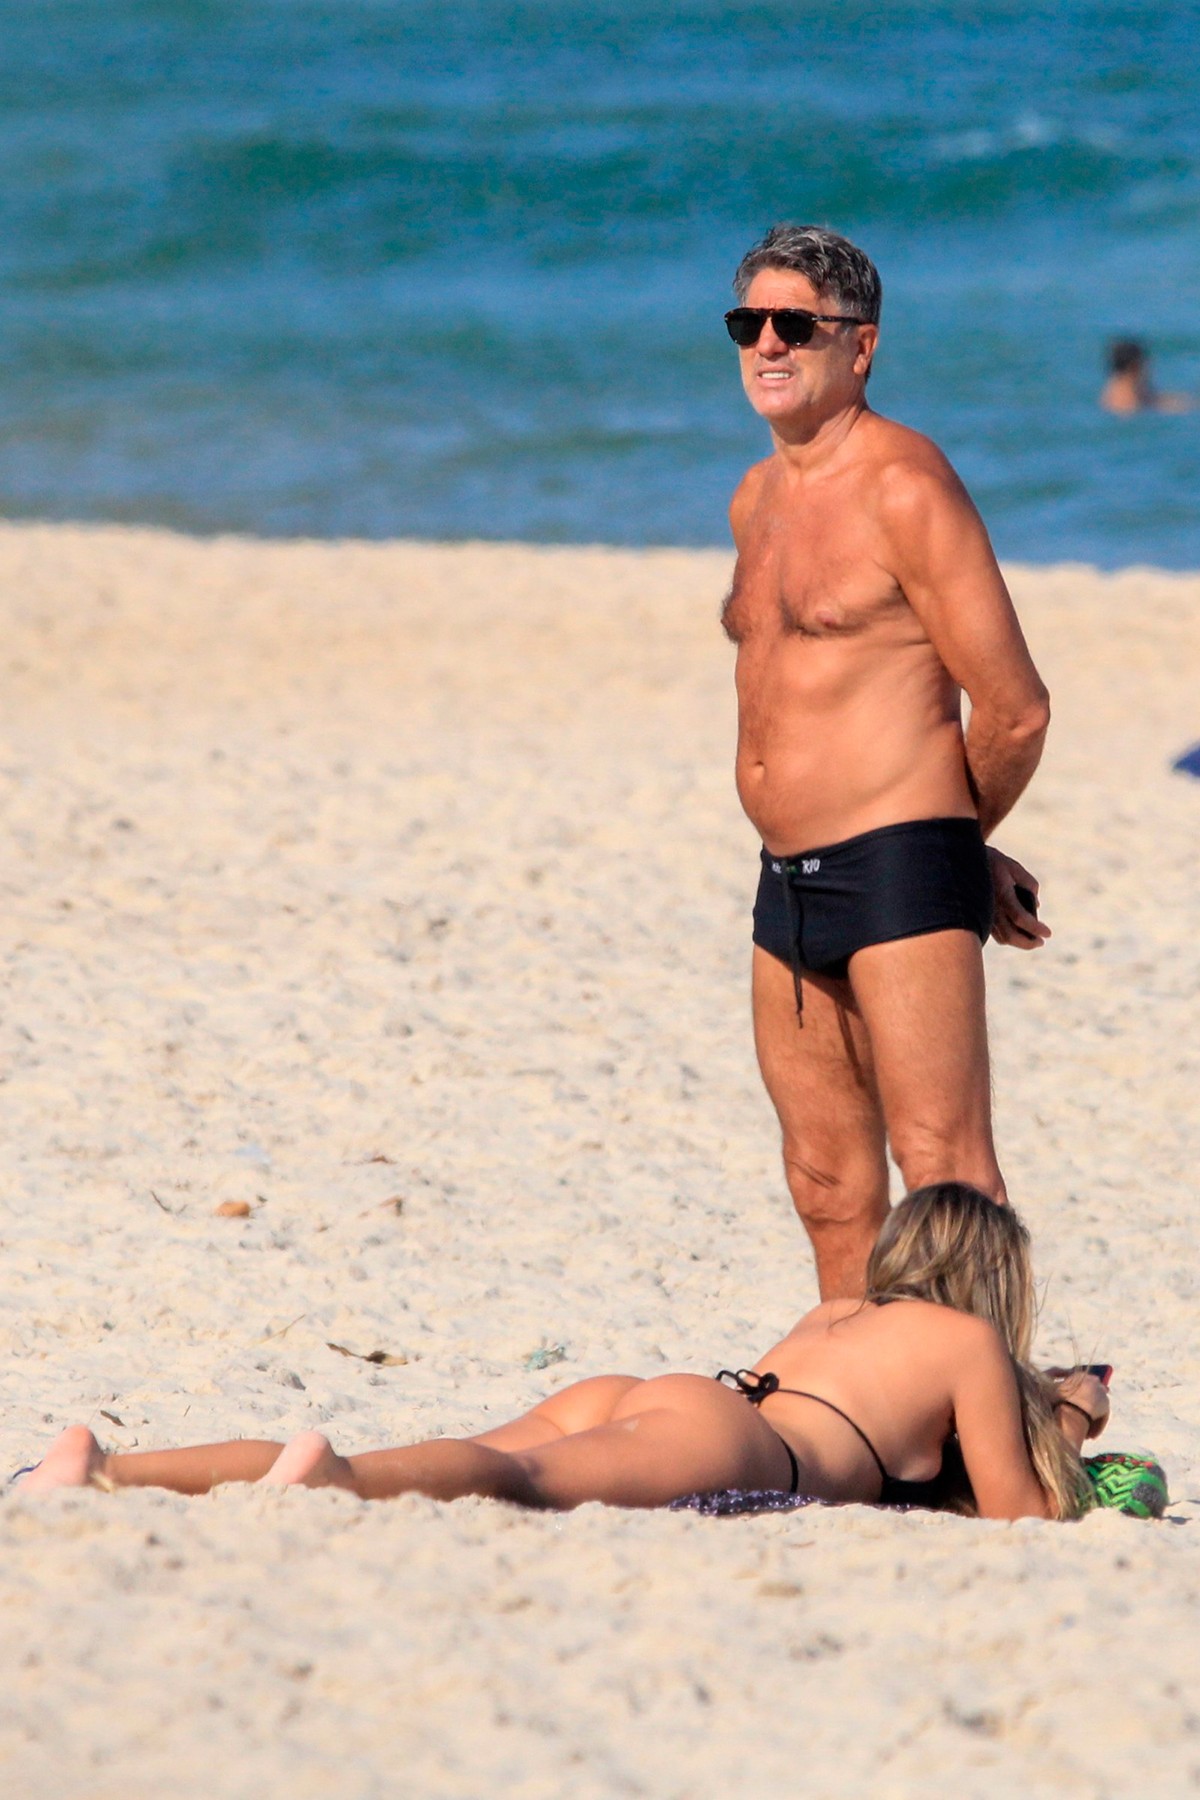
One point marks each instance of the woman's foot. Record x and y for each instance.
(73, 1460)
(309, 1461)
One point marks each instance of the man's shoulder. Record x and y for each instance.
(908, 473)
(753, 479)
(746, 494)
(899, 455)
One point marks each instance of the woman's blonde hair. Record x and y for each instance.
(951, 1244)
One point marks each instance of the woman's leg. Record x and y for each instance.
(677, 1434)
(442, 1468)
(674, 1435)
(76, 1460)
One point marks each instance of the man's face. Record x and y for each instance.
(784, 381)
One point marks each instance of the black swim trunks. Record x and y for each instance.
(815, 909)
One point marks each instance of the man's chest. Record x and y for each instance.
(818, 583)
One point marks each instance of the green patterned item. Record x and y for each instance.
(1130, 1484)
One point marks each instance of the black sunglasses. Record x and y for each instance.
(791, 324)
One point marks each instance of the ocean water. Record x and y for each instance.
(383, 268)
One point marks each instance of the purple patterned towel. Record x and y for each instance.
(732, 1503)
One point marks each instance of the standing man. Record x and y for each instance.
(866, 600)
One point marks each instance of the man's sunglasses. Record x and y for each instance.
(791, 324)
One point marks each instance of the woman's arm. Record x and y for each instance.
(987, 1411)
(1082, 1410)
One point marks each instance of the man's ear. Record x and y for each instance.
(868, 338)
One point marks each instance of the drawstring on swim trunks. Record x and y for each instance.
(794, 907)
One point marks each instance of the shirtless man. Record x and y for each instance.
(866, 600)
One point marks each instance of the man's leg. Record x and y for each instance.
(922, 1001)
(821, 1081)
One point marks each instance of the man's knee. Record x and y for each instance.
(927, 1151)
(828, 1194)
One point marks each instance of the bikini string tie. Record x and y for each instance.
(755, 1387)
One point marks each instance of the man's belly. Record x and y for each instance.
(801, 794)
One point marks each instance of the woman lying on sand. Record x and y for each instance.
(859, 1402)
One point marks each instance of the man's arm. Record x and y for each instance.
(944, 563)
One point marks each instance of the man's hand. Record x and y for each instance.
(1013, 923)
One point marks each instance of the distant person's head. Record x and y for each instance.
(1126, 357)
(805, 269)
(1128, 387)
(950, 1244)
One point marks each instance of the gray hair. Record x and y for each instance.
(838, 269)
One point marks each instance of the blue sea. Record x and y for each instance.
(457, 270)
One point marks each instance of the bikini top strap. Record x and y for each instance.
(821, 1401)
(758, 1387)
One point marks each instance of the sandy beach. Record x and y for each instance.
(400, 892)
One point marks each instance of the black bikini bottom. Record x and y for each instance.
(756, 1388)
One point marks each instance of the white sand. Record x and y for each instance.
(323, 855)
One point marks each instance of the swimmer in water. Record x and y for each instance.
(1129, 388)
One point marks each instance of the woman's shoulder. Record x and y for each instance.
(925, 1318)
(930, 1318)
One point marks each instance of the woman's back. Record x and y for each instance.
(877, 1390)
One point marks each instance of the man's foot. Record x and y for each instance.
(73, 1460)
(309, 1461)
